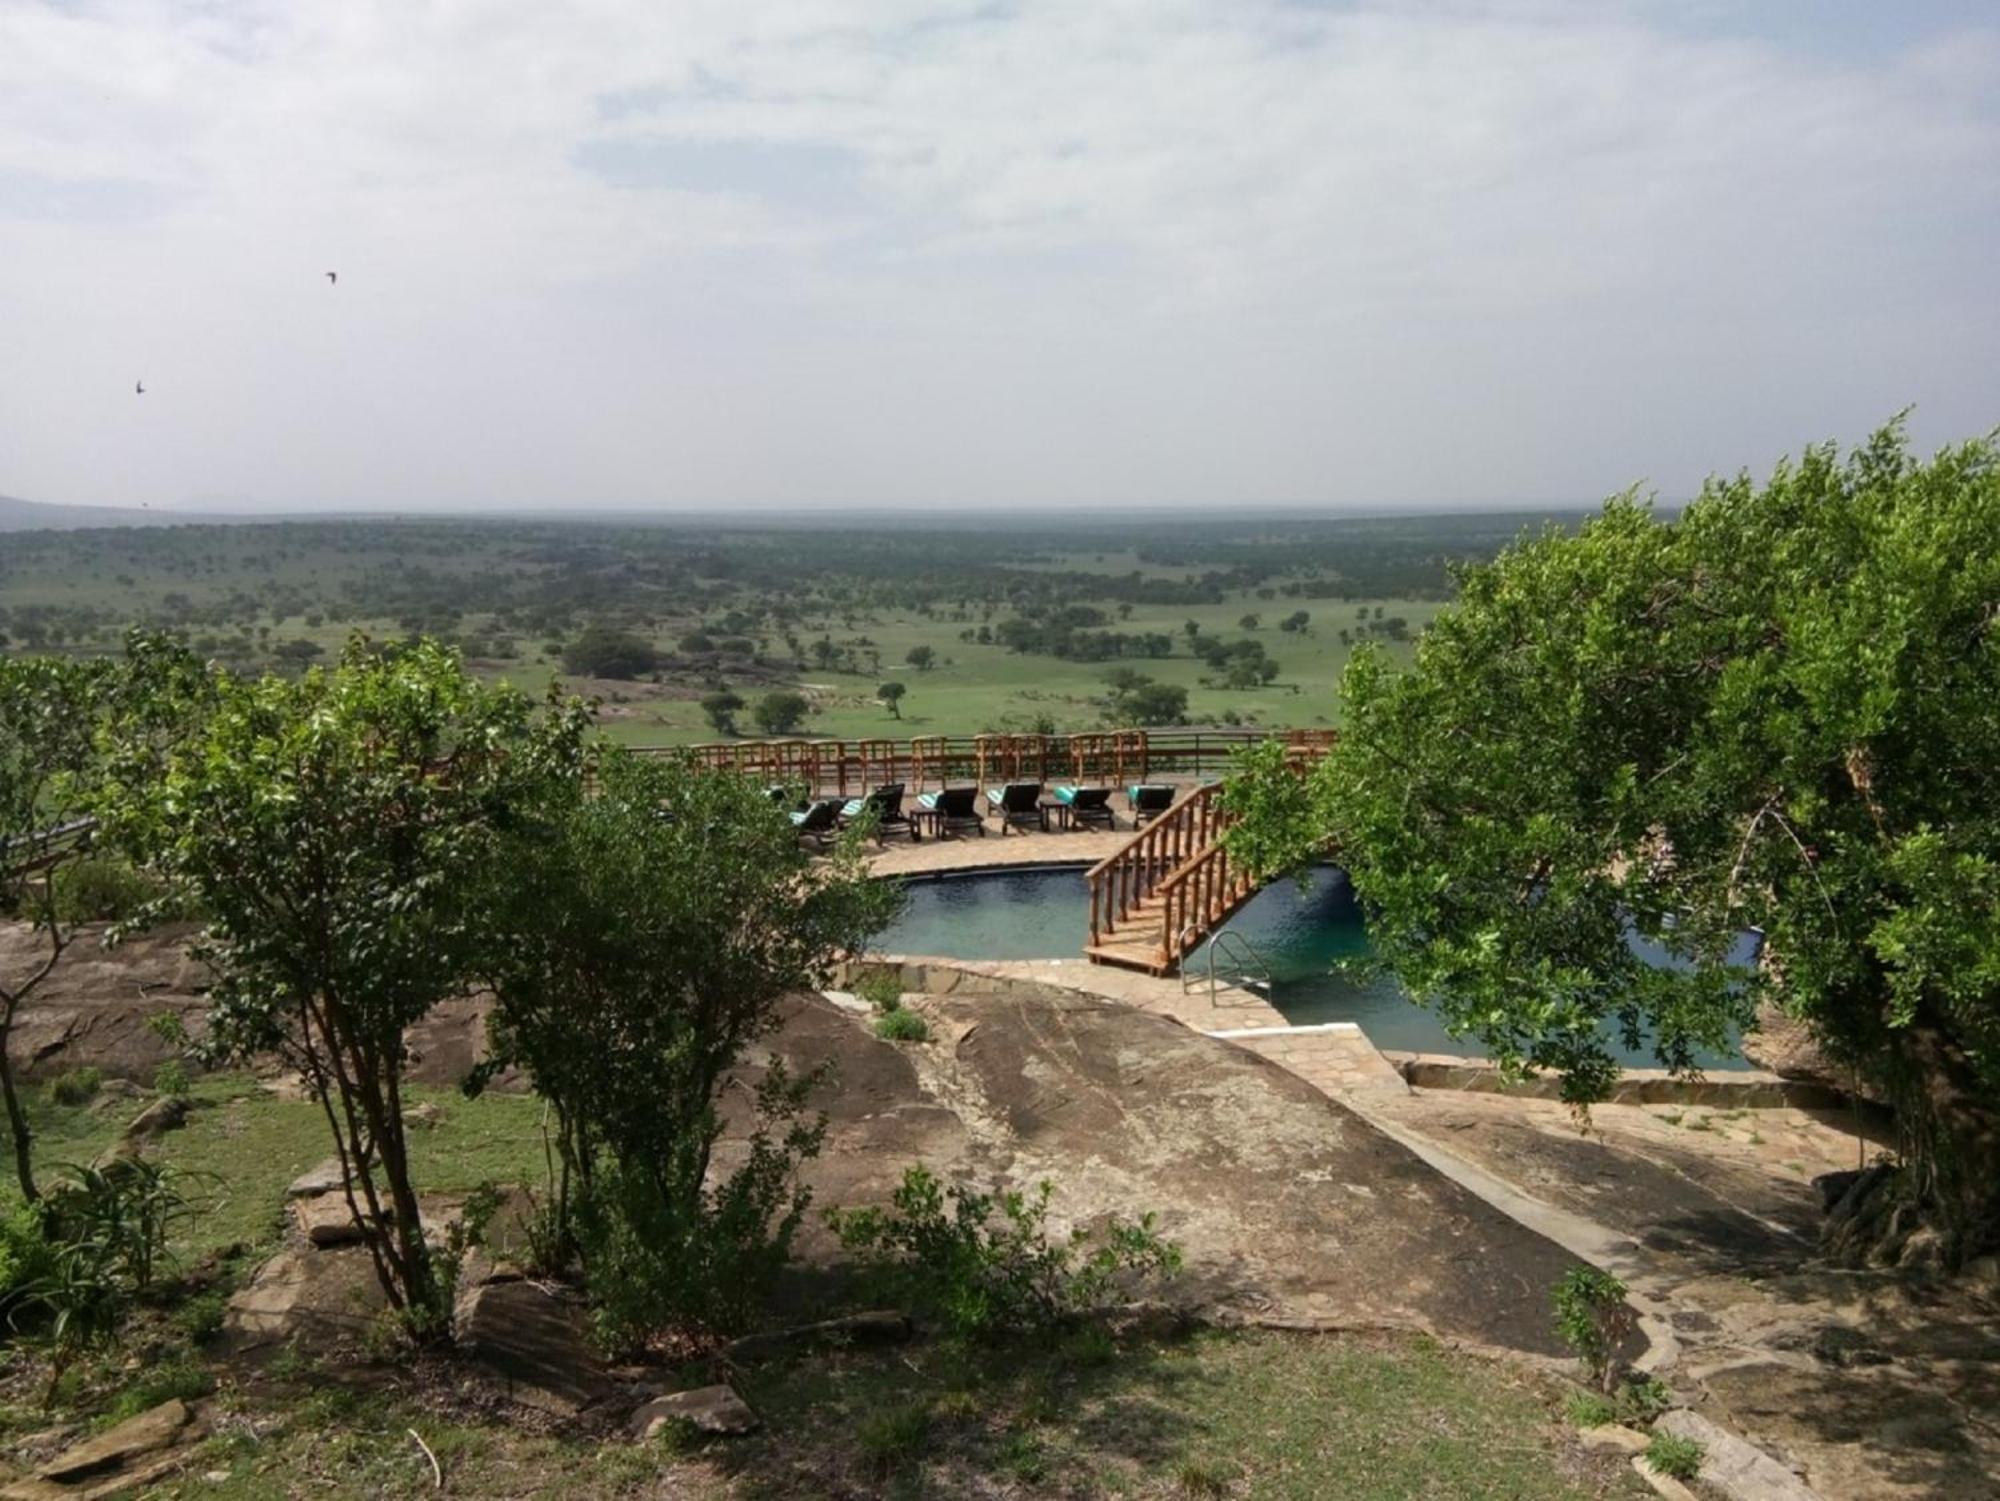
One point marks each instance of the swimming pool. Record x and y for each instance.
(1041, 913)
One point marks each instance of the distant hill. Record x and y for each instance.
(27, 516)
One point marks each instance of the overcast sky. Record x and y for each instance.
(805, 253)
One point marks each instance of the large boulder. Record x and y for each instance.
(96, 1007)
(1289, 1208)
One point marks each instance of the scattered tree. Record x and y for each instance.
(336, 830)
(892, 695)
(720, 709)
(781, 712)
(605, 652)
(920, 657)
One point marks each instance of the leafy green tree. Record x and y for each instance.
(604, 652)
(336, 830)
(781, 713)
(1139, 700)
(1776, 712)
(49, 711)
(921, 657)
(892, 695)
(1251, 622)
(655, 928)
(720, 709)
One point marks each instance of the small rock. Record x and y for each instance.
(168, 1113)
(423, 1113)
(326, 1221)
(1613, 1438)
(534, 1342)
(1663, 1485)
(215, 1477)
(152, 1430)
(1736, 1469)
(711, 1409)
(324, 1179)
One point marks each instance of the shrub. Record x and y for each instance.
(881, 988)
(99, 889)
(1590, 1409)
(1670, 1454)
(76, 1086)
(171, 1078)
(24, 1254)
(984, 1265)
(1591, 1318)
(781, 713)
(902, 1026)
(1204, 1477)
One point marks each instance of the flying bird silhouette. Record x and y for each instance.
(139, 388)
(333, 278)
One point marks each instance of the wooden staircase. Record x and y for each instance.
(1171, 886)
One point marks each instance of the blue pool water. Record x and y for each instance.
(1301, 935)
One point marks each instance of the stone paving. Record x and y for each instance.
(903, 857)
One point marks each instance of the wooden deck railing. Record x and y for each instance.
(1199, 898)
(1112, 758)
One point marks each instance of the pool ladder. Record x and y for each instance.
(1246, 968)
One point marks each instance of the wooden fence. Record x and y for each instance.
(1114, 758)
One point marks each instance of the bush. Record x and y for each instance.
(1670, 1454)
(1591, 1318)
(102, 890)
(902, 1026)
(24, 1255)
(881, 988)
(781, 713)
(1590, 1409)
(76, 1086)
(171, 1078)
(984, 1266)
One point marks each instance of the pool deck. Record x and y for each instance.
(901, 857)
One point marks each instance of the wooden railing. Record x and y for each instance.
(1199, 898)
(1110, 758)
(1151, 858)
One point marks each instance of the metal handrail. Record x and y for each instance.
(1251, 968)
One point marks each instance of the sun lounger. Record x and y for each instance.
(886, 802)
(1016, 805)
(1148, 801)
(1088, 806)
(955, 810)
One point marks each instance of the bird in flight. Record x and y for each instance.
(333, 278)
(139, 388)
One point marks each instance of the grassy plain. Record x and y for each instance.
(830, 612)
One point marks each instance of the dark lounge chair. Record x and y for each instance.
(1088, 806)
(1017, 804)
(1149, 800)
(954, 810)
(887, 804)
(820, 822)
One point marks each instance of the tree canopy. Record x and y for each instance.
(1780, 712)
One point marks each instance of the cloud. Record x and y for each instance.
(810, 252)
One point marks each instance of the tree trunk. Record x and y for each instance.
(1949, 1120)
(17, 1117)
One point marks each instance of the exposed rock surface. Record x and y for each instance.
(709, 1409)
(1738, 1470)
(96, 1006)
(531, 1338)
(136, 1452)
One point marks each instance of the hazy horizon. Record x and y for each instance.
(819, 257)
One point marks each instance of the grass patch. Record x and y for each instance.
(902, 1026)
(1670, 1454)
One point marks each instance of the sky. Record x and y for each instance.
(978, 256)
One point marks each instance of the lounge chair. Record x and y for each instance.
(887, 804)
(954, 810)
(1016, 804)
(1088, 805)
(820, 822)
(1148, 801)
